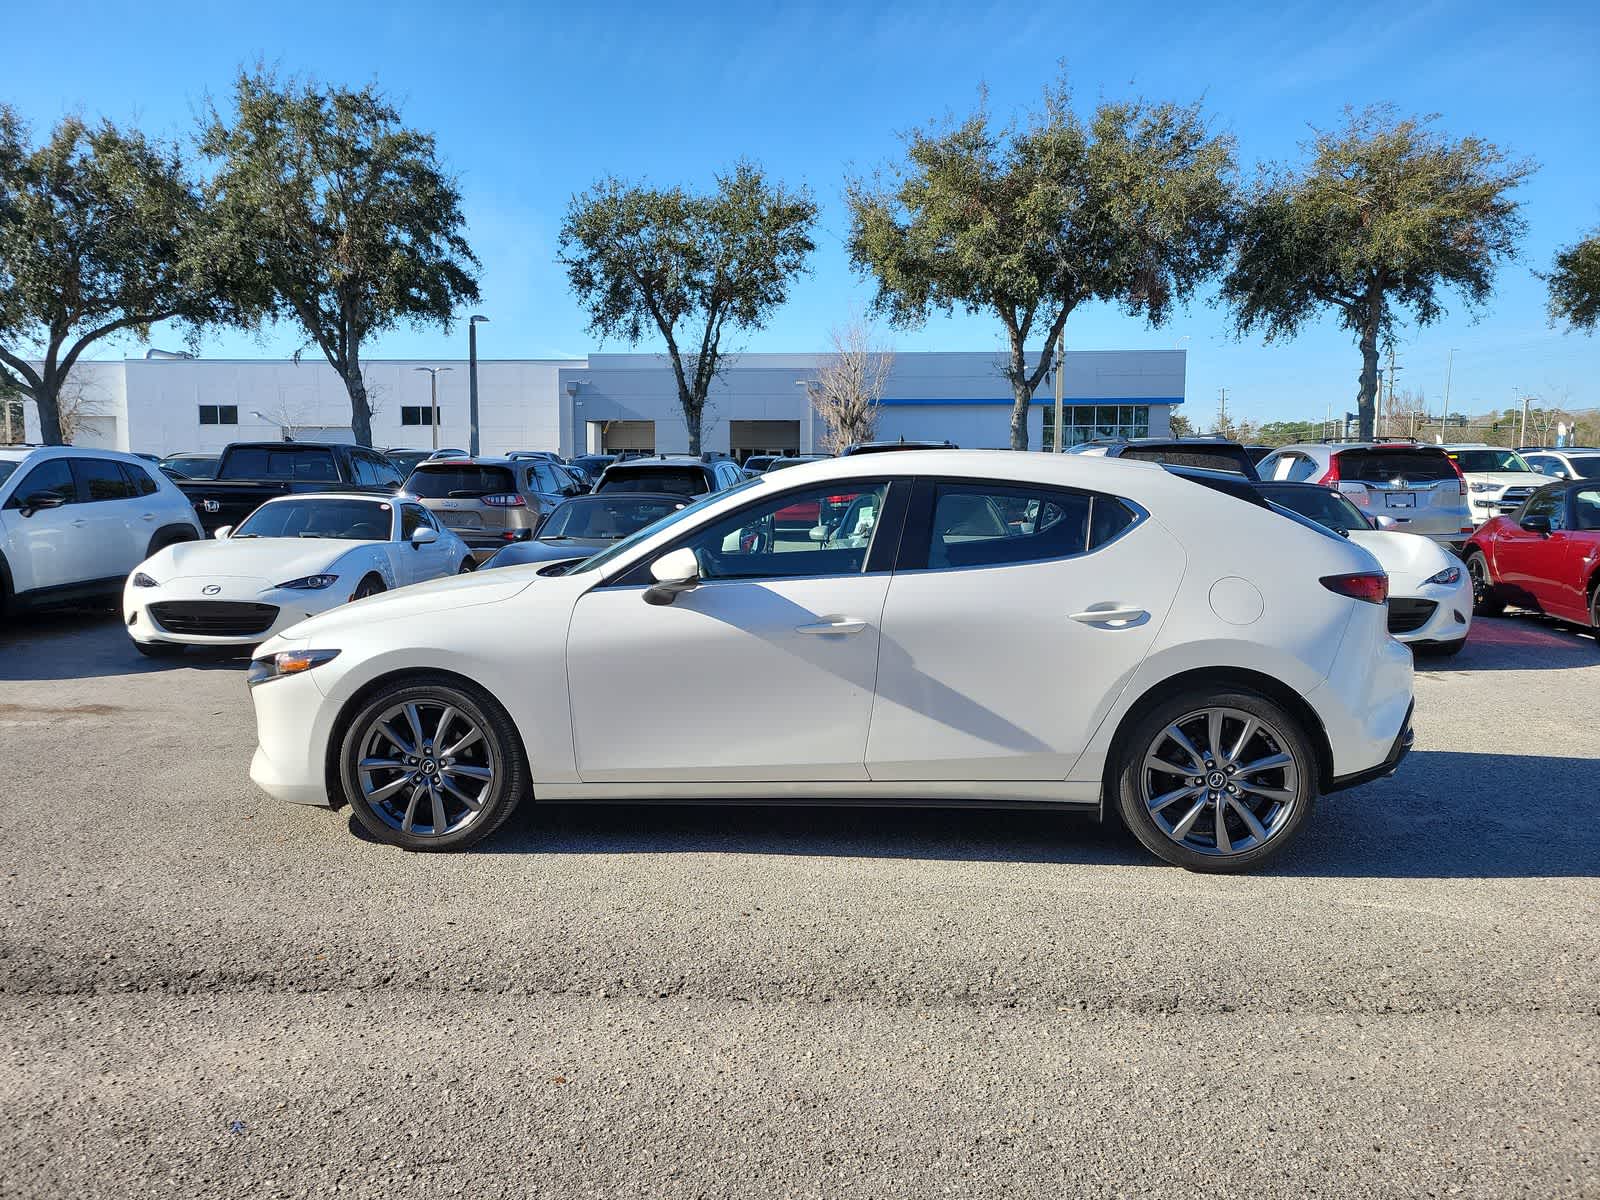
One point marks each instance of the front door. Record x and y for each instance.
(1526, 560)
(49, 548)
(419, 563)
(1016, 618)
(763, 673)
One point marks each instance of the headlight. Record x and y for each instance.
(1449, 577)
(140, 579)
(1484, 487)
(311, 583)
(286, 662)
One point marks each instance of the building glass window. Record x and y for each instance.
(418, 414)
(1088, 422)
(219, 414)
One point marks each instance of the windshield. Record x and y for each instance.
(1326, 508)
(685, 481)
(438, 482)
(1587, 466)
(608, 516)
(347, 520)
(612, 552)
(1490, 460)
(200, 467)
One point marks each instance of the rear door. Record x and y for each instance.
(1014, 619)
(111, 505)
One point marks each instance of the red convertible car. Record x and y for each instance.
(1546, 556)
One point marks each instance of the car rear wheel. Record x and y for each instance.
(468, 565)
(1216, 780)
(429, 765)
(1485, 598)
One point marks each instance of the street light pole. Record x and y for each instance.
(433, 399)
(472, 382)
(1061, 370)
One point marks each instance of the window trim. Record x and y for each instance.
(916, 538)
(80, 478)
(878, 561)
(17, 497)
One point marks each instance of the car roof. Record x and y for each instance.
(661, 460)
(374, 497)
(19, 453)
(625, 497)
(466, 460)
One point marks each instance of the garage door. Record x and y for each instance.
(629, 435)
(763, 437)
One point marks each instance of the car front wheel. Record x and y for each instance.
(429, 765)
(1216, 780)
(1485, 598)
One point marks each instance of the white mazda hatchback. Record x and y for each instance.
(945, 627)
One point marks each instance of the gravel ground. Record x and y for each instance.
(205, 993)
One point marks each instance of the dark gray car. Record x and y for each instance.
(585, 525)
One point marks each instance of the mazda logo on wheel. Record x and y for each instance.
(211, 589)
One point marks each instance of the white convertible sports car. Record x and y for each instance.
(1023, 630)
(290, 559)
(1430, 592)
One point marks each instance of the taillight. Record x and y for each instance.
(840, 499)
(503, 500)
(1331, 475)
(1371, 586)
(1461, 479)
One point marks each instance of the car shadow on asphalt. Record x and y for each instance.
(89, 642)
(1443, 815)
(1520, 642)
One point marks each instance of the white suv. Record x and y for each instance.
(74, 522)
(1498, 480)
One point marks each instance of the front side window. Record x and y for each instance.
(1548, 502)
(1587, 508)
(992, 524)
(822, 530)
(310, 464)
(1586, 466)
(413, 518)
(53, 477)
(103, 479)
(1489, 460)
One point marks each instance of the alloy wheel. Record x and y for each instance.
(1220, 781)
(1478, 572)
(426, 768)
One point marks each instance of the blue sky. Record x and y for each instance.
(531, 103)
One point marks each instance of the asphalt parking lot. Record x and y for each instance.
(203, 992)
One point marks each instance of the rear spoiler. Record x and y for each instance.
(1236, 486)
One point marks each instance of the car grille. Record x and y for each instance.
(1407, 614)
(214, 618)
(1514, 497)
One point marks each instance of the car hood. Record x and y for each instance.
(272, 559)
(1407, 558)
(451, 592)
(1508, 478)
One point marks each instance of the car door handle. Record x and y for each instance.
(837, 625)
(79, 523)
(1110, 616)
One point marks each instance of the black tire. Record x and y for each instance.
(1594, 601)
(1441, 649)
(468, 565)
(166, 538)
(1486, 600)
(501, 753)
(1280, 734)
(370, 586)
(158, 649)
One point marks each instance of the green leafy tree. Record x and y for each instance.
(1386, 215)
(1033, 219)
(102, 233)
(1181, 427)
(1575, 285)
(1284, 433)
(343, 219)
(692, 268)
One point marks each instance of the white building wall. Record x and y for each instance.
(99, 388)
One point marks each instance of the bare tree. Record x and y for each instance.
(1404, 412)
(848, 386)
(77, 404)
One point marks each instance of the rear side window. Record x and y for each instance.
(460, 482)
(1418, 466)
(981, 524)
(103, 479)
(143, 482)
(311, 464)
(682, 481)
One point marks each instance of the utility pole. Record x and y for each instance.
(1388, 410)
(472, 386)
(1061, 370)
(1222, 427)
(1444, 413)
(433, 399)
(1522, 438)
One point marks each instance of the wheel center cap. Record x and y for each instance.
(427, 766)
(1216, 780)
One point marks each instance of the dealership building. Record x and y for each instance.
(605, 402)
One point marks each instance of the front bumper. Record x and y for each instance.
(1450, 618)
(293, 605)
(293, 724)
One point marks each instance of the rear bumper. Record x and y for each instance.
(1397, 752)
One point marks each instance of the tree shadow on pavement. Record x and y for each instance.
(1442, 815)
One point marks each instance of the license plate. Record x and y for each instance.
(1402, 499)
(459, 520)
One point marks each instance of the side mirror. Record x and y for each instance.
(1382, 522)
(222, 532)
(676, 572)
(1537, 523)
(819, 533)
(41, 500)
(422, 535)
